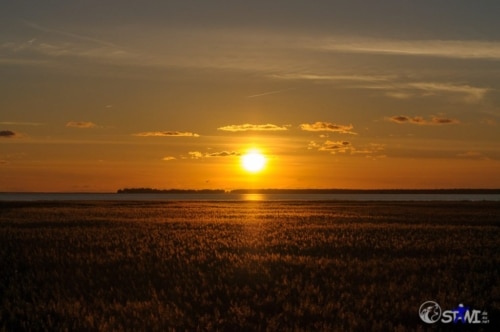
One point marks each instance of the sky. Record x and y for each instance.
(101, 95)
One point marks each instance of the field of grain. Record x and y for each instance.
(245, 266)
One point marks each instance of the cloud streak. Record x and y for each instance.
(345, 147)
(67, 34)
(81, 124)
(320, 126)
(406, 90)
(330, 78)
(15, 123)
(460, 49)
(269, 93)
(395, 87)
(336, 146)
(7, 134)
(74, 45)
(253, 127)
(167, 134)
(418, 120)
(200, 155)
(471, 93)
(223, 154)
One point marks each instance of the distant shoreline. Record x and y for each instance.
(311, 191)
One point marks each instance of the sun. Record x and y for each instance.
(253, 161)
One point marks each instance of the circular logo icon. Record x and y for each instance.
(429, 312)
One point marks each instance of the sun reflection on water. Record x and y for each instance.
(253, 197)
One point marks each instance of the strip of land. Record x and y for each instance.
(458, 191)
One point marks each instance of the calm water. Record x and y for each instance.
(243, 197)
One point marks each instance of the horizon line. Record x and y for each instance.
(257, 190)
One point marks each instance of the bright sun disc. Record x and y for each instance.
(253, 161)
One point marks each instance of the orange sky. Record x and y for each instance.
(97, 96)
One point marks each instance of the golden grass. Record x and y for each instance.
(246, 266)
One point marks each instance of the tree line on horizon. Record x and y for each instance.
(309, 191)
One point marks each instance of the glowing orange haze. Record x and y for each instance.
(171, 95)
(281, 171)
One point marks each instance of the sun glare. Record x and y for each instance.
(253, 161)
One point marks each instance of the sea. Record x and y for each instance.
(26, 197)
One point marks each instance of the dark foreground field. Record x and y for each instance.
(246, 266)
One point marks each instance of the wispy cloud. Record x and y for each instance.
(336, 146)
(327, 127)
(395, 87)
(81, 124)
(248, 49)
(167, 134)
(472, 155)
(418, 120)
(168, 158)
(471, 93)
(223, 154)
(21, 62)
(197, 48)
(16, 123)
(199, 155)
(461, 49)
(60, 49)
(345, 147)
(269, 93)
(406, 90)
(253, 127)
(330, 78)
(195, 154)
(7, 134)
(331, 146)
(67, 34)
(399, 94)
(62, 43)
(373, 149)
(489, 122)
